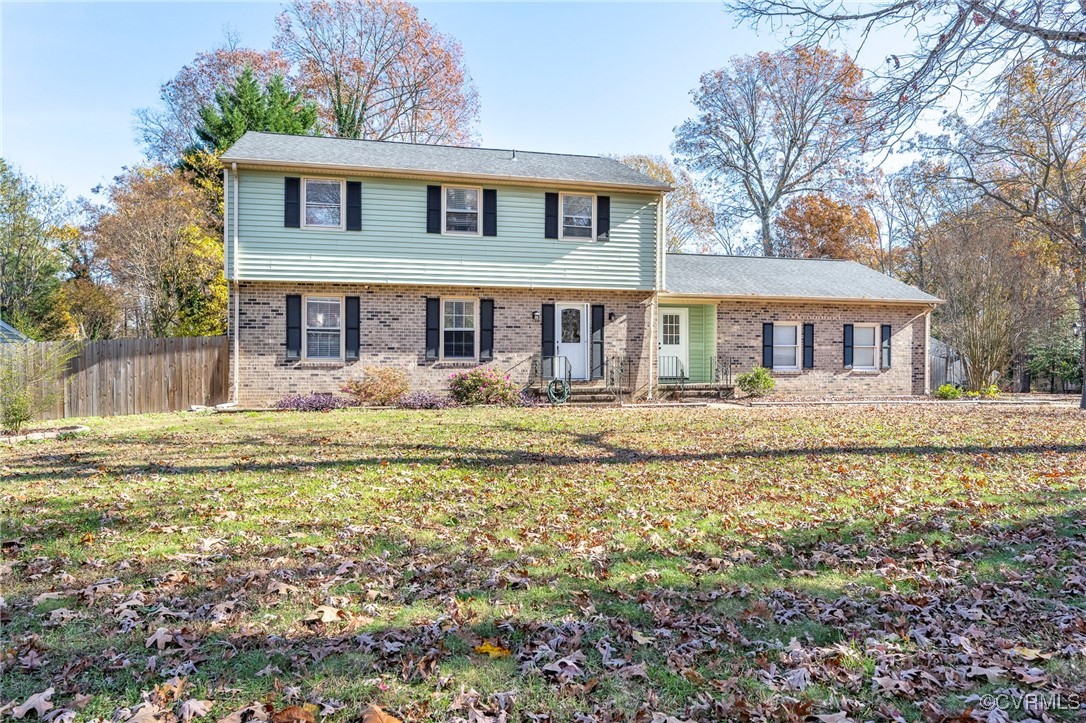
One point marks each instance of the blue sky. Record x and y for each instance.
(569, 77)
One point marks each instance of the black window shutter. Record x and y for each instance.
(603, 216)
(808, 346)
(352, 327)
(886, 332)
(354, 205)
(597, 341)
(490, 212)
(433, 209)
(848, 345)
(767, 345)
(550, 224)
(433, 328)
(486, 329)
(548, 330)
(294, 327)
(292, 202)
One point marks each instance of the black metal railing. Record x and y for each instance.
(555, 367)
(722, 371)
(616, 375)
(671, 371)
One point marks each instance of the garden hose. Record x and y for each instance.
(558, 391)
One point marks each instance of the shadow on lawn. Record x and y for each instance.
(571, 610)
(321, 453)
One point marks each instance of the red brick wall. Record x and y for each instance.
(739, 336)
(393, 333)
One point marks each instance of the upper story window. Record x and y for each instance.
(458, 328)
(578, 215)
(323, 327)
(865, 347)
(461, 212)
(786, 346)
(323, 203)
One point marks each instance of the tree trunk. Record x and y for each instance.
(1080, 291)
(767, 237)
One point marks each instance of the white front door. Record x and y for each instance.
(571, 337)
(674, 343)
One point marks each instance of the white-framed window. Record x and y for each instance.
(577, 216)
(461, 209)
(323, 328)
(786, 343)
(322, 203)
(865, 347)
(459, 325)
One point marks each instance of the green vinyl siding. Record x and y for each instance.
(393, 246)
(702, 339)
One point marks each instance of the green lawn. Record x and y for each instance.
(764, 564)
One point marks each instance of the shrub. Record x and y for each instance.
(31, 381)
(382, 386)
(484, 385)
(757, 382)
(948, 391)
(313, 402)
(425, 400)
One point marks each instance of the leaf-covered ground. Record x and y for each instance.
(831, 564)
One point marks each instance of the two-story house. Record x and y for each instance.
(344, 254)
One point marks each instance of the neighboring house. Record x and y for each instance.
(9, 334)
(344, 254)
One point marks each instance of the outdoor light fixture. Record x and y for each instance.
(1076, 328)
(535, 315)
(611, 316)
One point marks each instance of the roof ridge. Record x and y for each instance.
(440, 145)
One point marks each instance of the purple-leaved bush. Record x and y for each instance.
(313, 402)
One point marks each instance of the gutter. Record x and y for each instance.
(675, 297)
(418, 174)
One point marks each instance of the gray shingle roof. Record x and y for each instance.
(418, 159)
(755, 276)
(8, 333)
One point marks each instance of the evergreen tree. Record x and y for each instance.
(248, 107)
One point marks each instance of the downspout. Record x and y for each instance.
(654, 311)
(237, 296)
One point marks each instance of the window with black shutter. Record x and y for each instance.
(808, 346)
(486, 329)
(887, 333)
(490, 212)
(292, 202)
(550, 216)
(294, 327)
(597, 317)
(352, 328)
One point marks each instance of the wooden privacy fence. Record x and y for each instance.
(134, 376)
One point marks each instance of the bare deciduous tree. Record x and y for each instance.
(690, 221)
(1028, 156)
(773, 126)
(379, 71)
(955, 41)
(1000, 280)
(168, 130)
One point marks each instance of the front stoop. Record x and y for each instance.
(585, 394)
(695, 392)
